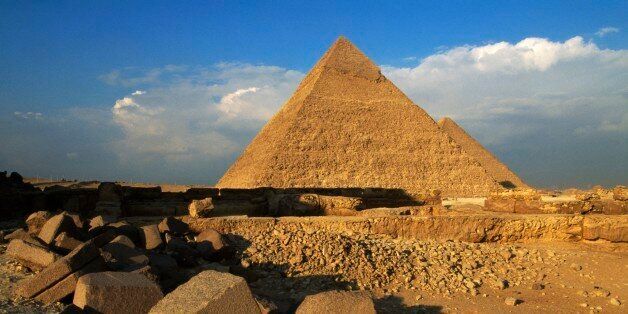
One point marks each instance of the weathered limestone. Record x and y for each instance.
(58, 270)
(66, 286)
(36, 221)
(151, 237)
(65, 242)
(122, 256)
(201, 208)
(620, 193)
(605, 228)
(32, 255)
(54, 226)
(116, 292)
(342, 111)
(469, 228)
(313, 205)
(209, 242)
(339, 302)
(226, 294)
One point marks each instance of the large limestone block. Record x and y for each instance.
(620, 193)
(201, 208)
(151, 237)
(54, 226)
(116, 292)
(32, 255)
(36, 221)
(209, 292)
(340, 302)
(609, 228)
(58, 270)
(66, 286)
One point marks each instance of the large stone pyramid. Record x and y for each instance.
(493, 166)
(349, 126)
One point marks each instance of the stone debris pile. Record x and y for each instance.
(109, 264)
(371, 262)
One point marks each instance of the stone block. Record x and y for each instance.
(66, 243)
(116, 292)
(58, 270)
(227, 293)
(151, 238)
(500, 204)
(54, 226)
(66, 286)
(123, 257)
(173, 226)
(31, 255)
(606, 228)
(201, 208)
(36, 221)
(339, 302)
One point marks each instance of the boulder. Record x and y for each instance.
(227, 293)
(201, 208)
(58, 270)
(130, 231)
(173, 226)
(116, 292)
(210, 243)
(56, 225)
(337, 302)
(151, 238)
(66, 243)
(31, 255)
(36, 221)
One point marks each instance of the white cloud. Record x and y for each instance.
(28, 115)
(203, 114)
(606, 30)
(138, 92)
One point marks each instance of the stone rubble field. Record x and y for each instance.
(158, 264)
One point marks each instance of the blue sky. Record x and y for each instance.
(69, 63)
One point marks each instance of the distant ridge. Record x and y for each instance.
(348, 126)
(498, 170)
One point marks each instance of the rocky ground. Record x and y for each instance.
(408, 276)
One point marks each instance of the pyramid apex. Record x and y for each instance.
(345, 57)
(444, 120)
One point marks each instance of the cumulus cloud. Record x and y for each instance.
(606, 30)
(201, 115)
(513, 96)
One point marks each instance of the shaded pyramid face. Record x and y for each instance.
(349, 126)
(498, 170)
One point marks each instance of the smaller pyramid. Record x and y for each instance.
(495, 168)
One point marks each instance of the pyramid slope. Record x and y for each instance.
(349, 126)
(498, 170)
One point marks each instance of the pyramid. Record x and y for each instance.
(498, 170)
(348, 126)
